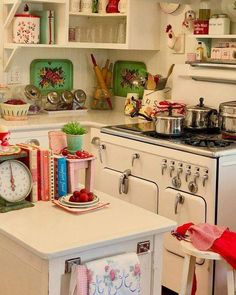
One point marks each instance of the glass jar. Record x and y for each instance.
(99, 101)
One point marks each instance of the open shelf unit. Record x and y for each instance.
(211, 40)
(140, 17)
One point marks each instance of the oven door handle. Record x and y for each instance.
(124, 182)
(178, 200)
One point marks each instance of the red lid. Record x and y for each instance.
(26, 15)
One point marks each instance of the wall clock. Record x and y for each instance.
(15, 181)
(168, 7)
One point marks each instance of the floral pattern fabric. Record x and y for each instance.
(116, 275)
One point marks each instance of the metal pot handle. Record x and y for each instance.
(135, 114)
(213, 118)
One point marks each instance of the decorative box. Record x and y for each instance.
(216, 53)
(201, 27)
(26, 28)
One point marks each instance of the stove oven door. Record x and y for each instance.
(183, 208)
(127, 187)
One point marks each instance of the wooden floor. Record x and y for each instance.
(166, 291)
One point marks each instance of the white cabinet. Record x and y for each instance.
(126, 173)
(36, 244)
(134, 190)
(140, 24)
(33, 275)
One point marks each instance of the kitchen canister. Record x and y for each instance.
(26, 28)
(219, 24)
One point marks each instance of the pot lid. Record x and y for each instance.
(199, 107)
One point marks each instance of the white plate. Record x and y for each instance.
(66, 199)
(169, 7)
(77, 205)
(229, 7)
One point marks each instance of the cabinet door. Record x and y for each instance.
(191, 209)
(141, 192)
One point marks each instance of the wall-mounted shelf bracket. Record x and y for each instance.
(8, 56)
(11, 14)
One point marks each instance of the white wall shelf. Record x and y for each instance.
(233, 36)
(138, 35)
(98, 14)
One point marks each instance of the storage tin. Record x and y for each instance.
(26, 29)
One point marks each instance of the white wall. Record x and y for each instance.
(157, 62)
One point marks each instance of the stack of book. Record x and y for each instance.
(49, 173)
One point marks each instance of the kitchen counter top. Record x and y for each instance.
(90, 118)
(49, 231)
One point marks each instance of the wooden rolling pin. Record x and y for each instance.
(101, 81)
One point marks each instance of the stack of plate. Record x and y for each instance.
(65, 201)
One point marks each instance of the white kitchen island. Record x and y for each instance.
(36, 242)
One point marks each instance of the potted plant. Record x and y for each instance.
(74, 136)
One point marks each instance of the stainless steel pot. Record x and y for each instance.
(200, 116)
(166, 124)
(170, 124)
(227, 118)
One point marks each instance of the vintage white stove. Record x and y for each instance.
(178, 180)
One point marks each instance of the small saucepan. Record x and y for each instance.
(200, 117)
(166, 124)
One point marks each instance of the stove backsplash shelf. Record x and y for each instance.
(215, 84)
(213, 80)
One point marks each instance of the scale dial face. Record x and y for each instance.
(15, 180)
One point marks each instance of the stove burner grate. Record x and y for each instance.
(193, 139)
(205, 142)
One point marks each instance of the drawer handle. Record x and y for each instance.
(134, 157)
(178, 200)
(97, 142)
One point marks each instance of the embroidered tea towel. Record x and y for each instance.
(78, 280)
(115, 275)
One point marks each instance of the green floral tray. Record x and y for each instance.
(129, 76)
(51, 74)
